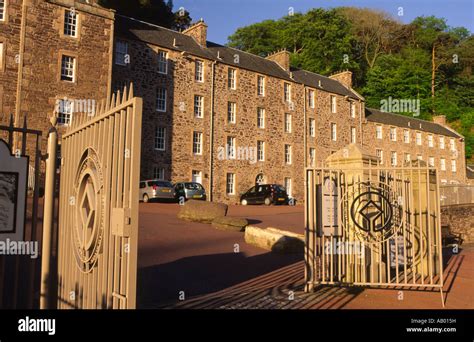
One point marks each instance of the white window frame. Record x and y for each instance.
(197, 173)
(353, 109)
(230, 183)
(379, 154)
(407, 157)
(333, 104)
(71, 23)
(430, 140)
(68, 72)
(393, 134)
(157, 171)
(452, 144)
(260, 85)
(162, 60)
(393, 158)
(379, 132)
(288, 123)
(232, 78)
(160, 139)
(261, 117)
(121, 51)
(353, 135)
(260, 150)
(406, 136)
(312, 127)
(333, 131)
(312, 156)
(419, 139)
(197, 143)
(431, 161)
(161, 99)
(231, 147)
(199, 71)
(442, 164)
(453, 165)
(288, 186)
(311, 98)
(288, 154)
(441, 143)
(231, 112)
(419, 157)
(3, 11)
(287, 92)
(65, 112)
(198, 106)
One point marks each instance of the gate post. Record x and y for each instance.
(48, 218)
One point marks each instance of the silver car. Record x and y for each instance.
(156, 189)
(190, 190)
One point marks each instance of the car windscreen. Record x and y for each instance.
(193, 186)
(160, 184)
(279, 188)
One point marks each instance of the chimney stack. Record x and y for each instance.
(282, 58)
(344, 77)
(199, 32)
(440, 119)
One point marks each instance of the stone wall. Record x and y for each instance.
(460, 219)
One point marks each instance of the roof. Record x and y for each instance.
(129, 28)
(374, 115)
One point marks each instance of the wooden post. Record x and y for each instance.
(48, 218)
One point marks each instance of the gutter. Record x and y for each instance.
(20, 68)
(211, 142)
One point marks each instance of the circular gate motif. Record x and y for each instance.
(89, 211)
(374, 211)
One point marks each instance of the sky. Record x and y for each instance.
(223, 17)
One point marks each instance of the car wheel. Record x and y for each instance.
(146, 198)
(268, 201)
(244, 202)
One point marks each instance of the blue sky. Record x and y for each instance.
(225, 16)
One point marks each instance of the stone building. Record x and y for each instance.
(213, 114)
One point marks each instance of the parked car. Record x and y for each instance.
(189, 190)
(265, 194)
(156, 189)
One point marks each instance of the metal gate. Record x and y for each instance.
(98, 215)
(373, 227)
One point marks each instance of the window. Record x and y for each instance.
(198, 106)
(333, 132)
(378, 132)
(406, 136)
(260, 150)
(2, 10)
(442, 164)
(70, 23)
(160, 136)
(161, 100)
(333, 104)
(353, 135)
(197, 143)
(260, 117)
(452, 144)
(288, 186)
(430, 140)
(231, 147)
(393, 134)
(353, 109)
(288, 154)
(311, 101)
(162, 62)
(232, 78)
(68, 68)
(407, 157)
(379, 154)
(65, 110)
(121, 53)
(419, 157)
(393, 158)
(287, 123)
(230, 184)
(2, 58)
(287, 92)
(312, 127)
(158, 173)
(453, 165)
(261, 86)
(231, 112)
(441, 143)
(199, 71)
(196, 176)
(431, 162)
(418, 138)
(312, 156)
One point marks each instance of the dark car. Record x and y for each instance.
(265, 194)
(190, 190)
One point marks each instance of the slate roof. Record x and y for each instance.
(403, 121)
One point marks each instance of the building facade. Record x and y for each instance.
(213, 114)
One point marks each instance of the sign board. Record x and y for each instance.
(393, 251)
(329, 208)
(13, 186)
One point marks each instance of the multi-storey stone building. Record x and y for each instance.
(213, 114)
